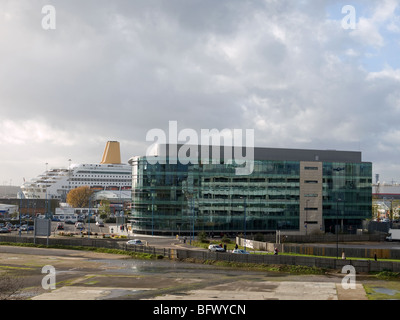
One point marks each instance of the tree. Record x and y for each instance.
(79, 197)
(104, 209)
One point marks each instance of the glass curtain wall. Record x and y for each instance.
(347, 195)
(180, 199)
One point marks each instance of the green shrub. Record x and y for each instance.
(225, 239)
(202, 237)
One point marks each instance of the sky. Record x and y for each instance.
(301, 74)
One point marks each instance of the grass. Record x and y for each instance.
(390, 291)
(292, 269)
(231, 246)
(137, 255)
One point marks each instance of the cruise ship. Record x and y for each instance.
(109, 174)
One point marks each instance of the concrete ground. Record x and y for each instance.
(92, 276)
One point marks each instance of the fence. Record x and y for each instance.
(92, 242)
(321, 250)
(269, 259)
(328, 263)
(321, 238)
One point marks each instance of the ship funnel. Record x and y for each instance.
(112, 153)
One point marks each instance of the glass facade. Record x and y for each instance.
(347, 194)
(189, 198)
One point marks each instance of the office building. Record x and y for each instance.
(295, 190)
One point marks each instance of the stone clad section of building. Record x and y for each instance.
(310, 197)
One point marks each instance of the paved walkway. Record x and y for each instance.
(238, 291)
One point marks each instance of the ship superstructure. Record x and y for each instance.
(109, 174)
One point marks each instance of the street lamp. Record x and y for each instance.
(90, 202)
(337, 227)
(305, 223)
(244, 223)
(152, 211)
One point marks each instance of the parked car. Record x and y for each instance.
(215, 248)
(136, 242)
(4, 230)
(24, 227)
(99, 224)
(69, 222)
(240, 251)
(79, 225)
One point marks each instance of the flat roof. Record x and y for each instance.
(261, 153)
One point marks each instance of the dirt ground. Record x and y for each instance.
(84, 275)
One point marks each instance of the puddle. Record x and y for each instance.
(386, 291)
(120, 293)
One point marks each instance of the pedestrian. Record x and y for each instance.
(343, 255)
(236, 246)
(375, 257)
(276, 251)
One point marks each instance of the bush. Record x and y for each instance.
(225, 239)
(202, 237)
(259, 237)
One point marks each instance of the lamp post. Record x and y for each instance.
(193, 214)
(305, 223)
(152, 212)
(90, 202)
(244, 222)
(20, 212)
(337, 227)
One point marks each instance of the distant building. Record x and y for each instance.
(7, 209)
(9, 192)
(386, 191)
(296, 190)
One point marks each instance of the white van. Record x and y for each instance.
(79, 225)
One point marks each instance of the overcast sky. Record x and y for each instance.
(297, 72)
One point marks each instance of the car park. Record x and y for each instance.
(136, 242)
(215, 248)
